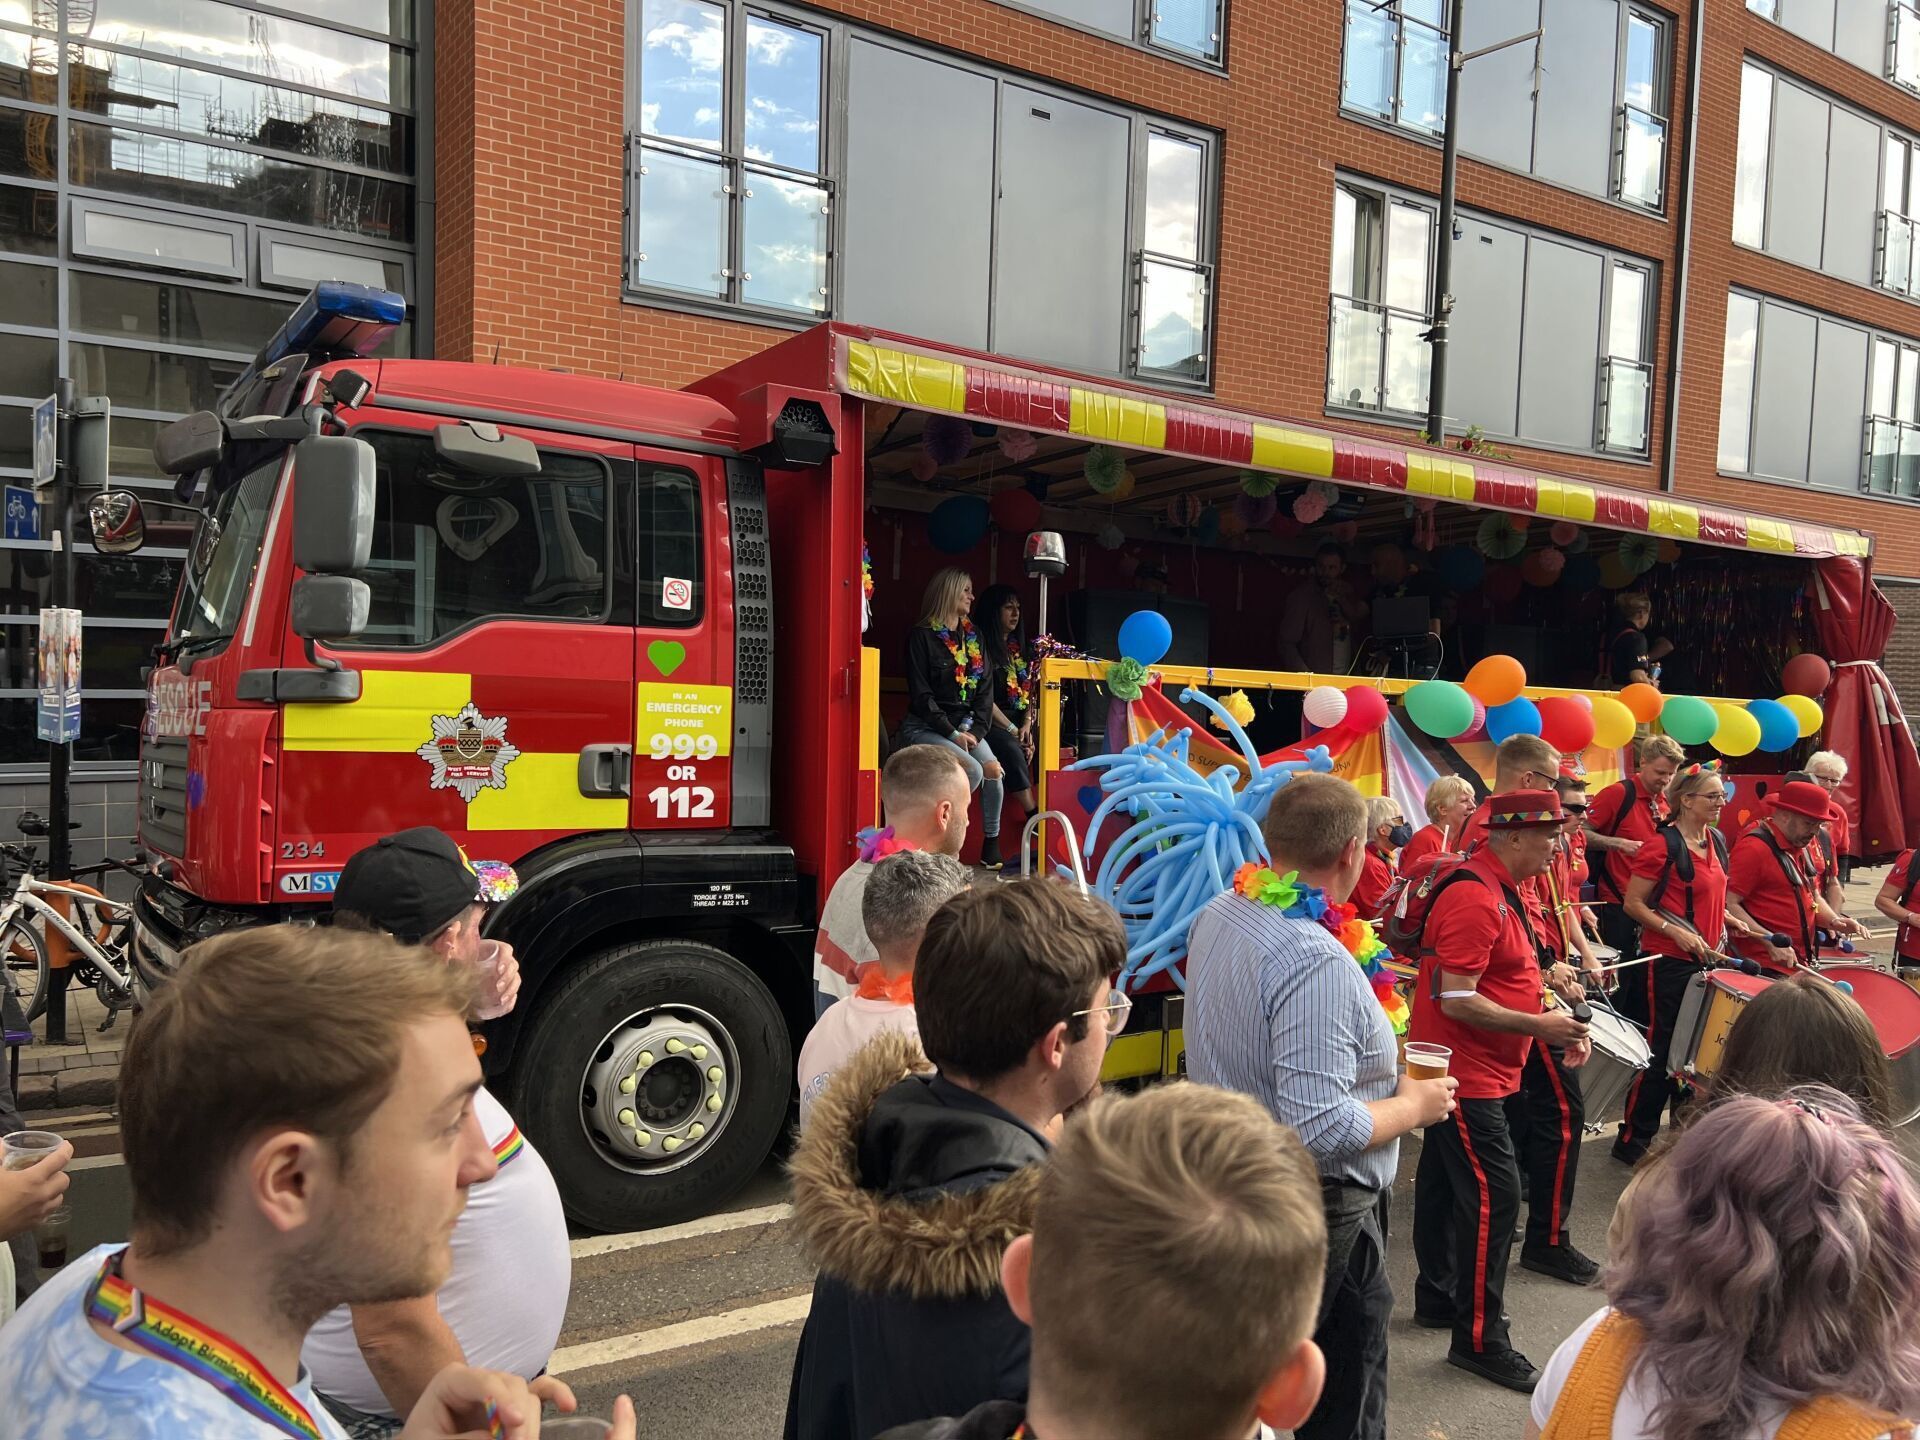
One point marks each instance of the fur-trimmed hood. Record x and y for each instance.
(906, 1185)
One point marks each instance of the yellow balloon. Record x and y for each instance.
(1807, 711)
(1613, 723)
(1739, 732)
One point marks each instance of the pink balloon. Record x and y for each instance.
(1477, 730)
(1366, 709)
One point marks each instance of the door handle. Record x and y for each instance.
(606, 772)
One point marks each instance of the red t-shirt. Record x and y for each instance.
(1777, 902)
(1472, 929)
(1372, 886)
(1704, 902)
(1577, 848)
(1473, 835)
(1427, 840)
(1907, 945)
(1642, 822)
(1839, 826)
(1554, 917)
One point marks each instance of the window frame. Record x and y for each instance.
(1400, 19)
(1205, 262)
(82, 206)
(616, 472)
(1610, 365)
(1624, 109)
(1379, 257)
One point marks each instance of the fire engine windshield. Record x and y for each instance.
(225, 554)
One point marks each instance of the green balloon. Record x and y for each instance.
(1689, 720)
(1441, 708)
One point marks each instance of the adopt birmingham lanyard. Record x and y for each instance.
(181, 1340)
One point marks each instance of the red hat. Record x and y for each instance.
(1803, 797)
(1572, 769)
(1524, 810)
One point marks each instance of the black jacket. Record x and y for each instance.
(993, 1420)
(933, 694)
(907, 1191)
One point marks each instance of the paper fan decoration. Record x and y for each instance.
(1497, 540)
(1232, 524)
(1310, 508)
(1124, 490)
(1183, 511)
(1258, 483)
(947, 438)
(1639, 553)
(1255, 510)
(923, 467)
(1564, 533)
(1110, 537)
(1104, 469)
(1326, 490)
(1018, 445)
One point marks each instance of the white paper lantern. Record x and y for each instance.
(1325, 707)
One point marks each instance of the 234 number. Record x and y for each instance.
(302, 850)
(681, 802)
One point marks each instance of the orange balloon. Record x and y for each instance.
(1496, 680)
(1644, 701)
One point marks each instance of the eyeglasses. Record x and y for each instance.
(1712, 797)
(1118, 1007)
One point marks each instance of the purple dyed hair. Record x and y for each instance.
(1774, 1257)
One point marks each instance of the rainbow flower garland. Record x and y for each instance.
(1307, 902)
(866, 572)
(968, 662)
(1019, 686)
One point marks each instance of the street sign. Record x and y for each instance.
(45, 447)
(58, 717)
(22, 514)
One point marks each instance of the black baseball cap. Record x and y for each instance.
(415, 883)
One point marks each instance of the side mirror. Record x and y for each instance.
(480, 449)
(118, 523)
(190, 445)
(332, 504)
(329, 607)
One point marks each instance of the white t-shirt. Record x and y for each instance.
(59, 1380)
(840, 945)
(837, 1036)
(512, 1271)
(1630, 1415)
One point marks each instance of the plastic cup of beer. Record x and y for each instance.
(1428, 1062)
(50, 1238)
(25, 1148)
(575, 1427)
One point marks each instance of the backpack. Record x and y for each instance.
(1410, 901)
(1602, 873)
(1680, 862)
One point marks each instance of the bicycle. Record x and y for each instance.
(101, 940)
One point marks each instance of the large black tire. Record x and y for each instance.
(544, 1090)
(24, 955)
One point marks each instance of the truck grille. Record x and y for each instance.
(163, 795)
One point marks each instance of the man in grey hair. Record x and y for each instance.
(900, 897)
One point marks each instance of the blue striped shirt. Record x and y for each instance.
(1277, 1009)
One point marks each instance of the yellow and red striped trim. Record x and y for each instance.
(923, 378)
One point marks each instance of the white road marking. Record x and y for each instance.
(687, 1333)
(98, 1162)
(692, 1230)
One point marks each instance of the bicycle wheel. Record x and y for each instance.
(25, 966)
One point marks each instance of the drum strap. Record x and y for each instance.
(1587, 1401)
(1797, 883)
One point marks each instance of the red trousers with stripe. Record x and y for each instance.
(1545, 1119)
(1466, 1202)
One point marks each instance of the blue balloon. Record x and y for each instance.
(1145, 636)
(955, 526)
(1779, 730)
(1517, 717)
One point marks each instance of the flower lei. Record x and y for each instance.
(1307, 902)
(866, 572)
(968, 662)
(876, 843)
(1019, 687)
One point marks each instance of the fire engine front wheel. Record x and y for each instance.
(655, 1081)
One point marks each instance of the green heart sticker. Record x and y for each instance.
(667, 655)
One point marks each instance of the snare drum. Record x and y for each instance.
(1894, 1009)
(1620, 1052)
(1713, 1001)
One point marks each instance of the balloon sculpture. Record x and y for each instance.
(1187, 835)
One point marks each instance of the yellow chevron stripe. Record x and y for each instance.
(1296, 451)
(1774, 535)
(1670, 517)
(1562, 500)
(1430, 474)
(1120, 418)
(904, 379)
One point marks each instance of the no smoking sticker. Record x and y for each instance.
(676, 594)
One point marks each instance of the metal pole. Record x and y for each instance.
(60, 753)
(1443, 251)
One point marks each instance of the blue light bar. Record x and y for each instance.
(336, 320)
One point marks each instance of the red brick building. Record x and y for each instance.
(1603, 177)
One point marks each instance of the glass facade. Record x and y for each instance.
(174, 175)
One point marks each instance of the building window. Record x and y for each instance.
(1174, 286)
(1194, 28)
(1551, 339)
(728, 193)
(1396, 62)
(1903, 46)
(1377, 356)
(1818, 400)
(1640, 139)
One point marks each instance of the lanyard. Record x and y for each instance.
(181, 1340)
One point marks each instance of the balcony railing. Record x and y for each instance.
(1893, 254)
(1903, 45)
(1620, 419)
(1377, 358)
(1891, 463)
(1173, 319)
(1396, 67)
(1769, 9)
(1639, 157)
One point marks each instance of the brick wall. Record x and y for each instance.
(1902, 660)
(531, 192)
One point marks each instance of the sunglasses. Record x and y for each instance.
(1118, 1007)
(1574, 809)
